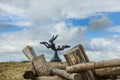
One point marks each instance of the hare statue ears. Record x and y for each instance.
(53, 38)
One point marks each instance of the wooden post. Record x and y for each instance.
(40, 66)
(77, 55)
(63, 73)
(49, 78)
(93, 65)
(29, 52)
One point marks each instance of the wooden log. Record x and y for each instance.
(108, 78)
(49, 78)
(111, 71)
(64, 74)
(40, 66)
(77, 55)
(57, 67)
(93, 65)
(29, 52)
(29, 74)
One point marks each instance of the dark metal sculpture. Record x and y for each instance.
(52, 45)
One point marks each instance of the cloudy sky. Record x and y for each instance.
(93, 23)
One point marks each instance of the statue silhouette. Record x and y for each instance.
(52, 45)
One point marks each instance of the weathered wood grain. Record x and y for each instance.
(49, 78)
(63, 73)
(29, 52)
(93, 65)
(108, 71)
(29, 74)
(40, 66)
(77, 55)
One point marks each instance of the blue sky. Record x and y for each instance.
(91, 23)
(113, 16)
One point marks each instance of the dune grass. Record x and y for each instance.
(15, 70)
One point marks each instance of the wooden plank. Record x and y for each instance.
(77, 55)
(29, 52)
(40, 66)
(83, 52)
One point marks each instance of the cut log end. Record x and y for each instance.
(29, 75)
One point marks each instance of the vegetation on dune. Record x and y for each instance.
(15, 70)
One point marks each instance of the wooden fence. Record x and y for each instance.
(79, 67)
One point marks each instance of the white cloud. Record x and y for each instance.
(17, 24)
(21, 24)
(9, 9)
(11, 57)
(22, 4)
(48, 11)
(114, 29)
(67, 32)
(14, 20)
(100, 23)
(104, 48)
